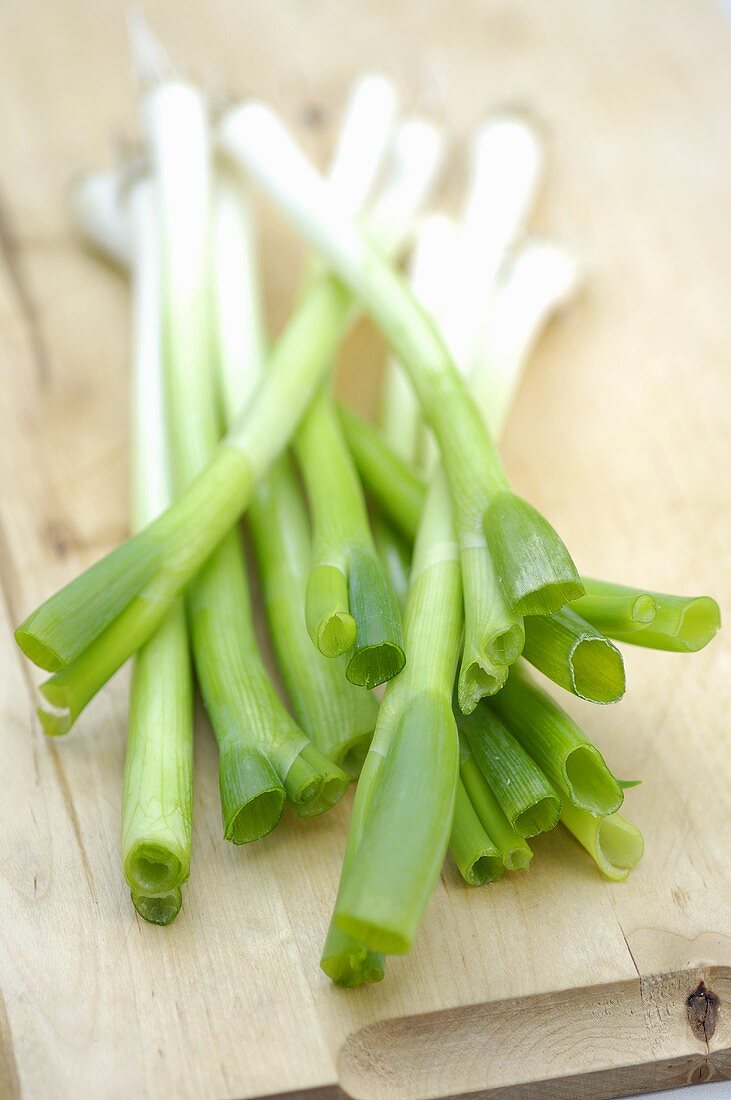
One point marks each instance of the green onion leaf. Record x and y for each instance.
(615, 845)
(568, 760)
(378, 653)
(386, 890)
(398, 490)
(252, 795)
(514, 851)
(157, 803)
(395, 554)
(576, 656)
(526, 797)
(534, 566)
(329, 622)
(477, 858)
(337, 716)
(677, 624)
(350, 600)
(158, 908)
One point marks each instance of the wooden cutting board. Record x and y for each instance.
(553, 983)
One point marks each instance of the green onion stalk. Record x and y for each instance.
(157, 803)
(400, 416)
(540, 278)
(575, 655)
(590, 795)
(403, 809)
(88, 629)
(477, 857)
(567, 759)
(351, 606)
(655, 620)
(499, 535)
(263, 753)
(453, 268)
(526, 797)
(515, 853)
(399, 828)
(506, 169)
(613, 842)
(337, 716)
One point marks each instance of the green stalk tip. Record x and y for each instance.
(685, 624)
(568, 760)
(514, 850)
(378, 654)
(313, 783)
(615, 844)
(252, 797)
(349, 963)
(576, 656)
(329, 622)
(494, 636)
(406, 831)
(153, 869)
(159, 909)
(534, 567)
(476, 856)
(526, 797)
(478, 679)
(653, 620)
(55, 722)
(597, 670)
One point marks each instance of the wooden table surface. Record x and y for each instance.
(551, 984)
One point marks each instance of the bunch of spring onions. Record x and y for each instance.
(394, 555)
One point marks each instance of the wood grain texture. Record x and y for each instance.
(554, 983)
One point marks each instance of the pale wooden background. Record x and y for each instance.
(621, 434)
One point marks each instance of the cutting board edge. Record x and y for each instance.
(648, 1044)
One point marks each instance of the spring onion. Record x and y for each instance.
(338, 717)
(615, 844)
(157, 802)
(262, 751)
(575, 655)
(404, 802)
(475, 854)
(537, 573)
(678, 624)
(527, 799)
(351, 604)
(562, 752)
(515, 853)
